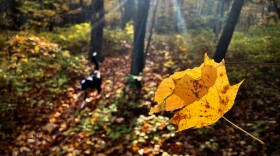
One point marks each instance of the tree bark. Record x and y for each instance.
(129, 12)
(152, 27)
(277, 7)
(225, 39)
(82, 14)
(15, 13)
(97, 24)
(138, 56)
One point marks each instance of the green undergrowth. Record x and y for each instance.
(258, 44)
(192, 41)
(117, 118)
(254, 53)
(118, 41)
(76, 38)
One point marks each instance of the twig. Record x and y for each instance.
(244, 131)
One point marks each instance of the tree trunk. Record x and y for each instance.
(138, 56)
(82, 14)
(220, 15)
(277, 7)
(15, 13)
(228, 30)
(152, 28)
(97, 24)
(206, 8)
(129, 11)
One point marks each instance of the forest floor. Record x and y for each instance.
(60, 130)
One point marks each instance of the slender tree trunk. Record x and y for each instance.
(209, 7)
(138, 56)
(220, 15)
(202, 10)
(152, 28)
(82, 14)
(97, 24)
(277, 7)
(206, 8)
(228, 30)
(16, 23)
(121, 9)
(129, 12)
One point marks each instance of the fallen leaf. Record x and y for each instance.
(62, 127)
(141, 151)
(36, 48)
(57, 114)
(49, 127)
(30, 140)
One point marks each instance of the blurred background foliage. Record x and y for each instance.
(43, 53)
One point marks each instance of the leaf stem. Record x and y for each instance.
(244, 131)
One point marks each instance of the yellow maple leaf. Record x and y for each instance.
(204, 92)
(183, 88)
(208, 110)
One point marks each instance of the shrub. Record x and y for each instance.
(74, 38)
(35, 72)
(258, 44)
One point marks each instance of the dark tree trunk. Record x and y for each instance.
(97, 24)
(15, 14)
(277, 7)
(82, 15)
(228, 30)
(87, 12)
(138, 56)
(152, 27)
(220, 15)
(129, 12)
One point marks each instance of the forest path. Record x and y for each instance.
(49, 131)
(44, 130)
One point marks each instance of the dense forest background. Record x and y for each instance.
(46, 45)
